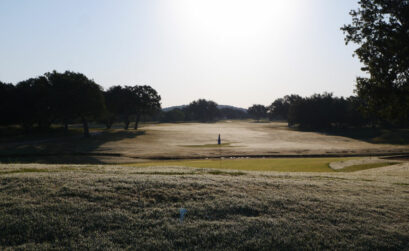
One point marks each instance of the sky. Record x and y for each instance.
(234, 52)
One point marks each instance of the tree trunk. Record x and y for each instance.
(126, 121)
(27, 128)
(138, 116)
(44, 125)
(66, 127)
(85, 124)
(108, 123)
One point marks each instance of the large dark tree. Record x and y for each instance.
(33, 103)
(147, 102)
(76, 96)
(323, 111)
(202, 110)
(280, 107)
(257, 112)
(7, 104)
(124, 102)
(174, 115)
(315, 112)
(381, 29)
(231, 113)
(120, 103)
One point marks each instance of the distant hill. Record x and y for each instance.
(166, 109)
(232, 107)
(170, 108)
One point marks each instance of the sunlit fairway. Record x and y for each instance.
(268, 164)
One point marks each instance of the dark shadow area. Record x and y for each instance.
(71, 149)
(370, 135)
(15, 133)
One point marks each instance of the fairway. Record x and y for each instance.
(194, 141)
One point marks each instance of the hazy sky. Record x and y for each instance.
(234, 52)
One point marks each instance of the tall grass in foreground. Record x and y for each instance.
(102, 207)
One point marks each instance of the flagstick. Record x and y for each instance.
(220, 154)
(219, 142)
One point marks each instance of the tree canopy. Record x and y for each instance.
(147, 101)
(380, 28)
(202, 110)
(257, 112)
(280, 107)
(76, 96)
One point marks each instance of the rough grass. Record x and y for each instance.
(117, 207)
(355, 168)
(269, 164)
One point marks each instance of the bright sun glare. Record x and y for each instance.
(238, 19)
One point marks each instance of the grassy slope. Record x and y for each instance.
(275, 164)
(355, 168)
(101, 207)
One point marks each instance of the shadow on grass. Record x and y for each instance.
(71, 149)
(371, 135)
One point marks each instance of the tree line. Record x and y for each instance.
(319, 111)
(70, 97)
(201, 110)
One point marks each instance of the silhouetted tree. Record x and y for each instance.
(120, 103)
(34, 103)
(8, 113)
(76, 96)
(323, 111)
(174, 115)
(280, 107)
(147, 102)
(231, 113)
(202, 110)
(381, 29)
(354, 116)
(315, 112)
(257, 112)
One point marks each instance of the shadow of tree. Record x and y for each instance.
(370, 135)
(64, 150)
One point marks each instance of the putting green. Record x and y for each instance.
(271, 164)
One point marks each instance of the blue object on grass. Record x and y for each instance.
(182, 212)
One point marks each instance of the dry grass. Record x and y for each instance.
(117, 207)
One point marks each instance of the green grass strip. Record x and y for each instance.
(272, 164)
(355, 168)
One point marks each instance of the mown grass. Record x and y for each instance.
(361, 167)
(268, 164)
(78, 210)
(209, 145)
(25, 170)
